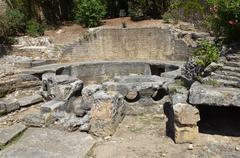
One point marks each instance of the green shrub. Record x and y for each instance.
(11, 23)
(206, 53)
(186, 10)
(89, 12)
(33, 28)
(224, 19)
(140, 9)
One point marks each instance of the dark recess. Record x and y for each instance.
(219, 120)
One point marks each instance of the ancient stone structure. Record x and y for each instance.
(133, 44)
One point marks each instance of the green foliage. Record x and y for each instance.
(89, 12)
(186, 10)
(139, 9)
(224, 19)
(11, 23)
(206, 54)
(33, 28)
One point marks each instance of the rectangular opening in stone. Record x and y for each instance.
(219, 120)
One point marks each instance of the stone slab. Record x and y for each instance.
(48, 143)
(7, 134)
(51, 106)
(30, 100)
(201, 94)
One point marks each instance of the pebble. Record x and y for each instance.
(237, 148)
(190, 147)
(107, 138)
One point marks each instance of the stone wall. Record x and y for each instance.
(132, 44)
(2, 6)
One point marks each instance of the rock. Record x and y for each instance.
(132, 95)
(53, 106)
(12, 83)
(91, 89)
(85, 127)
(72, 123)
(190, 147)
(186, 114)
(46, 143)
(185, 134)
(3, 108)
(237, 148)
(79, 107)
(187, 27)
(34, 120)
(30, 100)
(12, 105)
(211, 68)
(7, 134)
(106, 113)
(201, 94)
(178, 94)
(60, 87)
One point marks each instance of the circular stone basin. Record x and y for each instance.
(98, 72)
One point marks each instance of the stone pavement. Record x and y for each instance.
(49, 143)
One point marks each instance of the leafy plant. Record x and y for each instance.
(33, 28)
(89, 12)
(224, 19)
(207, 53)
(186, 10)
(11, 23)
(140, 9)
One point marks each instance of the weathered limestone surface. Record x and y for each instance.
(186, 134)
(185, 123)
(157, 43)
(53, 106)
(186, 114)
(17, 82)
(30, 100)
(201, 94)
(60, 87)
(106, 113)
(7, 134)
(47, 143)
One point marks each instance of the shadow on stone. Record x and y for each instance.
(168, 111)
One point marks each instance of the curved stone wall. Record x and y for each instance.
(131, 44)
(98, 72)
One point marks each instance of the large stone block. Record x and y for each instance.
(201, 94)
(60, 87)
(186, 114)
(185, 134)
(107, 112)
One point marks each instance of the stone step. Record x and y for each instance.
(233, 64)
(227, 83)
(7, 134)
(228, 73)
(30, 100)
(232, 69)
(224, 77)
(52, 106)
(234, 57)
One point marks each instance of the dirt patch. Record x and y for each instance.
(65, 34)
(144, 136)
